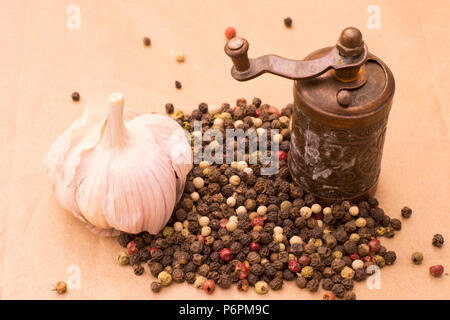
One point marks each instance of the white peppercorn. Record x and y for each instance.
(353, 210)
(316, 208)
(306, 212)
(235, 180)
(198, 182)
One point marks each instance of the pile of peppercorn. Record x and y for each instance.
(235, 226)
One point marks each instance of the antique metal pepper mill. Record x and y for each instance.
(342, 98)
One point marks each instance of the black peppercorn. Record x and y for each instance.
(288, 22)
(288, 275)
(348, 284)
(313, 285)
(156, 286)
(190, 277)
(169, 108)
(178, 275)
(177, 84)
(123, 239)
(396, 224)
(301, 282)
(147, 42)
(138, 269)
(360, 274)
(327, 284)
(390, 257)
(406, 212)
(338, 290)
(276, 284)
(75, 96)
(214, 275)
(156, 254)
(134, 259)
(350, 295)
(224, 281)
(438, 240)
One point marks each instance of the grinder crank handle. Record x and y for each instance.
(349, 54)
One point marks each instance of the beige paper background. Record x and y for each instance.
(42, 62)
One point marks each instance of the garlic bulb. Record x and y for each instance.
(125, 172)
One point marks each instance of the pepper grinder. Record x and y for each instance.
(342, 98)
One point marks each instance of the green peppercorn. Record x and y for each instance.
(379, 260)
(347, 273)
(123, 258)
(307, 272)
(178, 114)
(164, 278)
(417, 257)
(168, 231)
(286, 205)
(185, 125)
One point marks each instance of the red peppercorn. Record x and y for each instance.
(374, 245)
(201, 238)
(294, 266)
(230, 32)
(354, 256)
(242, 269)
(273, 109)
(304, 260)
(243, 285)
(153, 249)
(328, 296)
(258, 113)
(209, 286)
(223, 223)
(258, 222)
(225, 254)
(60, 287)
(254, 246)
(131, 247)
(281, 155)
(436, 270)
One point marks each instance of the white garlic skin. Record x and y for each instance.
(123, 172)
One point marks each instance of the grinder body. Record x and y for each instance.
(335, 151)
(342, 98)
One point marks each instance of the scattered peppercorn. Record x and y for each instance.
(60, 287)
(288, 22)
(406, 212)
(328, 296)
(138, 269)
(147, 42)
(75, 96)
(436, 270)
(438, 240)
(417, 257)
(169, 108)
(156, 286)
(177, 84)
(123, 258)
(209, 286)
(230, 32)
(261, 287)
